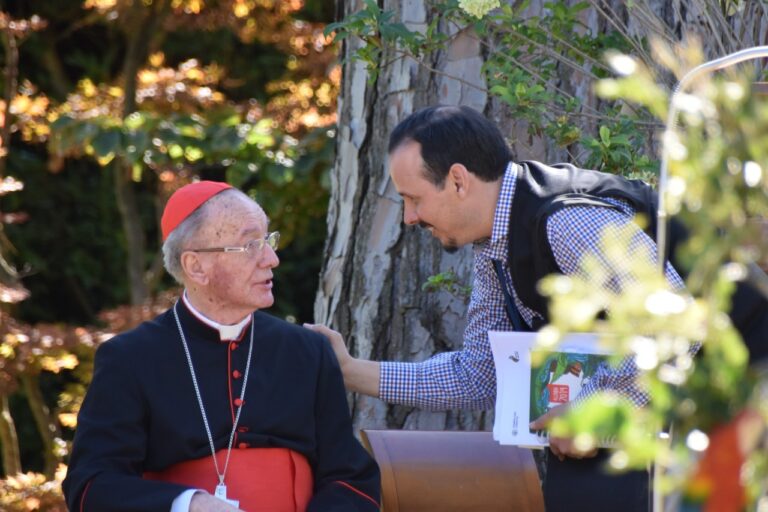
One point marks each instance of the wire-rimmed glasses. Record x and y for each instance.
(253, 247)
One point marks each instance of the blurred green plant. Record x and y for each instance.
(718, 189)
(449, 282)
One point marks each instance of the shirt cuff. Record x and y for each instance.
(633, 395)
(182, 501)
(399, 382)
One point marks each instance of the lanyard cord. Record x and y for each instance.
(512, 313)
(222, 474)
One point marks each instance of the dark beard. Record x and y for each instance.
(451, 247)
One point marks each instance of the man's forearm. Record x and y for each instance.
(362, 376)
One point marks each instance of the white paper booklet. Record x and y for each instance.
(523, 392)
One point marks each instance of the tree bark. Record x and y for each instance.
(51, 60)
(11, 74)
(374, 266)
(9, 442)
(9, 278)
(145, 22)
(47, 426)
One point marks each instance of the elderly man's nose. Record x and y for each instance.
(270, 258)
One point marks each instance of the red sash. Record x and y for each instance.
(262, 479)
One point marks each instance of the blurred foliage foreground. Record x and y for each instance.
(712, 405)
(107, 107)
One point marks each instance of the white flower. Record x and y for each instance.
(697, 440)
(664, 302)
(753, 173)
(622, 64)
(479, 8)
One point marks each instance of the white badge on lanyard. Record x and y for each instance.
(221, 493)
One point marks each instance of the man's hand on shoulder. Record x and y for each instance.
(204, 502)
(337, 343)
(562, 447)
(360, 375)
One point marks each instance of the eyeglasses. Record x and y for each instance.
(252, 247)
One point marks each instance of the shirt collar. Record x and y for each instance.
(496, 246)
(226, 332)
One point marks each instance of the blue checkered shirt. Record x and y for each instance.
(466, 379)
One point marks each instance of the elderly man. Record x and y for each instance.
(213, 405)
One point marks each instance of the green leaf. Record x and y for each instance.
(257, 136)
(620, 140)
(134, 121)
(62, 122)
(194, 131)
(605, 135)
(136, 171)
(393, 31)
(580, 6)
(136, 144)
(82, 134)
(339, 26)
(193, 154)
(175, 151)
(107, 142)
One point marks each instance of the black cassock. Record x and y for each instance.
(141, 414)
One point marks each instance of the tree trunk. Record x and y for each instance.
(47, 426)
(145, 23)
(134, 232)
(370, 288)
(10, 75)
(9, 442)
(374, 266)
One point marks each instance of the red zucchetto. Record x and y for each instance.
(186, 200)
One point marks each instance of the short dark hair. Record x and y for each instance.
(450, 135)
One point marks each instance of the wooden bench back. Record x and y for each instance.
(424, 471)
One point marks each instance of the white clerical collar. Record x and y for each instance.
(226, 332)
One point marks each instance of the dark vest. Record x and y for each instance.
(541, 190)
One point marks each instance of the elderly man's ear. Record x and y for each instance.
(194, 269)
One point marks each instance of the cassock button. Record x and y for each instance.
(236, 374)
(242, 446)
(233, 345)
(242, 429)
(238, 402)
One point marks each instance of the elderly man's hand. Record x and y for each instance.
(562, 447)
(204, 502)
(337, 343)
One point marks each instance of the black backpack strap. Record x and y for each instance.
(512, 312)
